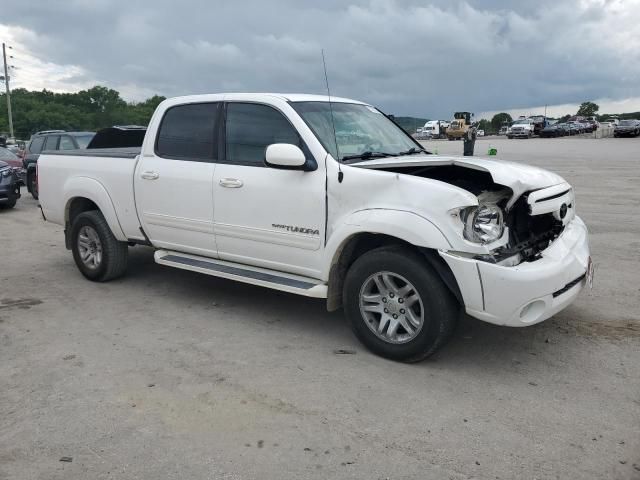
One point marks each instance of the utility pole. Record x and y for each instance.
(6, 84)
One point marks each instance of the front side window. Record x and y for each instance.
(188, 132)
(66, 143)
(251, 128)
(51, 143)
(83, 140)
(36, 145)
(358, 129)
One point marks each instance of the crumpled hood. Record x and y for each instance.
(517, 176)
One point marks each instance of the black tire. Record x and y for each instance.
(32, 184)
(115, 254)
(441, 309)
(13, 199)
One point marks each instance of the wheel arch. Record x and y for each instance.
(84, 194)
(360, 243)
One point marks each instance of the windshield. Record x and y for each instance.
(358, 129)
(522, 122)
(83, 140)
(627, 122)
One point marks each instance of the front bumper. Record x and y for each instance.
(521, 133)
(626, 132)
(530, 292)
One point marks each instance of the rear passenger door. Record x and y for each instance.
(173, 186)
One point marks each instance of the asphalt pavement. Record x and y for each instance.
(169, 374)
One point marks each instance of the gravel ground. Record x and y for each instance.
(175, 375)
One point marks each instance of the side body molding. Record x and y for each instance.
(93, 190)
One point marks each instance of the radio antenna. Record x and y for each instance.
(333, 124)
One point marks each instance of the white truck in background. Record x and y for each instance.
(326, 198)
(435, 129)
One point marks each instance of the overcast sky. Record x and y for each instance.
(426, 58)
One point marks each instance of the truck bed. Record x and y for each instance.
(108, 173)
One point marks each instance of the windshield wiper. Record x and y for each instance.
(366, 155)
(411, 151)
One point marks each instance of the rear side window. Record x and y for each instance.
(36, 145)
(251, 128)
(51, 143)
(188, 132)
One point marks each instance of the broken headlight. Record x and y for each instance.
(483, 224)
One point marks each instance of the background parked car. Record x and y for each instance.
(50, 140)
(627, 128)
(9, 186)
(14, 162)
(551, 131)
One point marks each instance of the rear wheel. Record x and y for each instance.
(397, 306)
(32, 184)
(98, 254)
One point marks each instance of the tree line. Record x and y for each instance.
(90, 110)
(100, 107)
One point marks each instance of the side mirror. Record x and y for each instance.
(284, 155)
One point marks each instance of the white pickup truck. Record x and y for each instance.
(328, 199)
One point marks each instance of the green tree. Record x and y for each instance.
(498, 119)
(588, 109)
(91, 109)
(485, 125)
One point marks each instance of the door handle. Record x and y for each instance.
(150, 175)
(230, 183)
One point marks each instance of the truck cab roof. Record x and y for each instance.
(287, 97)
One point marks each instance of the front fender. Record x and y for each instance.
(93, 190)
(407, 226)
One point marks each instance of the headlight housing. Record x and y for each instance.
(5, 172)
(483, 224)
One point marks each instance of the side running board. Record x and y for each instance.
(242, 273)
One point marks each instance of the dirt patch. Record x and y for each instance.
(21, 303)
(609, 329)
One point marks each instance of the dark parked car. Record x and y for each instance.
(14, 162)
(552, 131)
(627, 128)
(9, 186)
(566, 129)
(50, 140)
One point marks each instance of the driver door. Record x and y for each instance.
(264, 216)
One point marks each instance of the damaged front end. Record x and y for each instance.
(511, 223)
(531, 222)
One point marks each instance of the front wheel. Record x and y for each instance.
(398, 307)
(98, 254)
